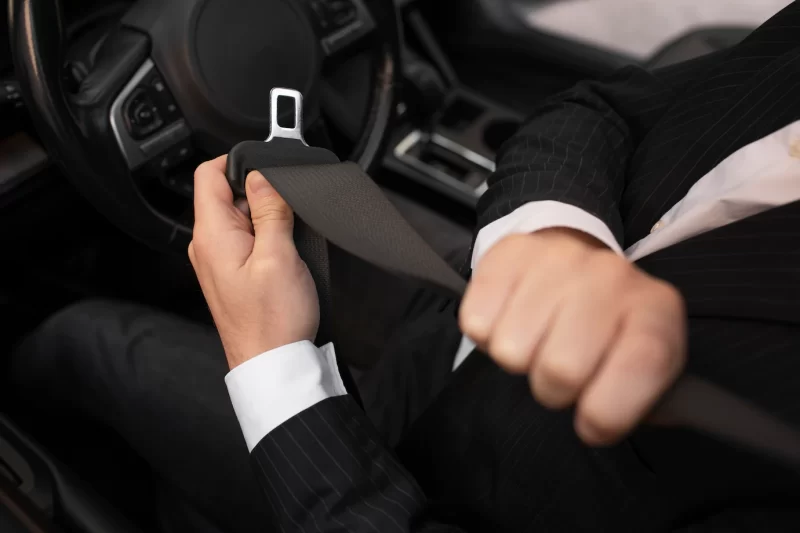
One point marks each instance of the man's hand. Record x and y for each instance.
(587, 326)
(259, 291)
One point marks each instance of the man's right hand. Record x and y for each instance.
(587, 326)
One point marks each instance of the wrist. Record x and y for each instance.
(238, 353)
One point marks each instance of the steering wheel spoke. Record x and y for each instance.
(147, 123)
(340, 26)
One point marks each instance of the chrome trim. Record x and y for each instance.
(129, 146)
(417, 136)
(463, 151)
(275, 129)
(407, 143)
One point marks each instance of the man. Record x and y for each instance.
(692, 170)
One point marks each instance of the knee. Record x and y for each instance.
(61, 343)
(77, 322)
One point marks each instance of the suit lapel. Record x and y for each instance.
(750, 94)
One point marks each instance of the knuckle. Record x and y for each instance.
(198, 244)
(611, 269)
(202, 242)
(604, 425)
(470, 320)
(269, 211)
(201, 169)
(507, 355)
(277, 264)
(670, 295)
(651, 355)
(561, 372)
(660, 291)
(469, 326)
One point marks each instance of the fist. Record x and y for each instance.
(585, 325)
(259, 291)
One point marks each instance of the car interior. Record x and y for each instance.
(107, 107)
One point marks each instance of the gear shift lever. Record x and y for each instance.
(425, 91)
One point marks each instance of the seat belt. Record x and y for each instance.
(343, 205)
(339, 203)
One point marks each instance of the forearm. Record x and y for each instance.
(326, 470)
(576, 147)
(319, 459)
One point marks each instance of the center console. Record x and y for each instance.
(452, 150)
(456, 154)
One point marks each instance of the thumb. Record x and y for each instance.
(271, 215)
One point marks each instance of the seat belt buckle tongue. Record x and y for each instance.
(275, 129)
(284, 146)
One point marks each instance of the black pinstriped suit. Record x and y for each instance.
(485, 455)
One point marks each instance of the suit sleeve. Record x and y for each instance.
(576, 147)
(327, 470)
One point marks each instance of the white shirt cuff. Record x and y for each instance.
(535, 216)
(273, 387)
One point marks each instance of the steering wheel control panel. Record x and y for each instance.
(149, 107)
(340, 22)
(147, 123)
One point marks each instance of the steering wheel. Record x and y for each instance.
(186, 75)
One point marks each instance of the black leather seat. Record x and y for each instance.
(18, 514)
(698, 43)
(48, 490)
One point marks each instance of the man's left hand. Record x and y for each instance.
(259, 291)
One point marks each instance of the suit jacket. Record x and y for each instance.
(483, 456)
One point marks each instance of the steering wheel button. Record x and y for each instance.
(142, 115)
(169, 109)
(172, 135)
(180, 152)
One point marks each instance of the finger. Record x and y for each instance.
(492, 283)
(642, 363)
(213, 197)
(273, 219)
(221, 232)
(576, 341)
(523, 321)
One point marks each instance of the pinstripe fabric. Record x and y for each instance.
(746, 270)
(577, 147)
(627, 149)
(486, 456)
(325, 470)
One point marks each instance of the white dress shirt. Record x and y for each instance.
(277, 385)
